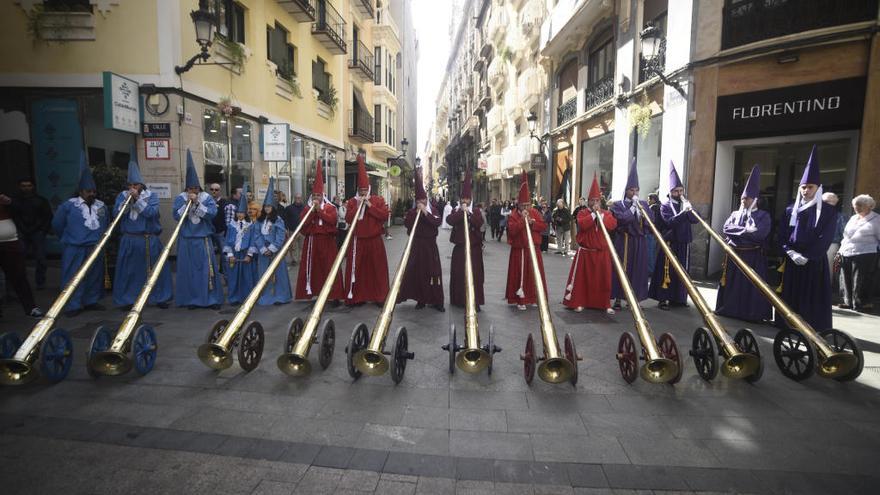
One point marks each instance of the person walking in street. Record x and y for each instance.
(341, 224)
(366, 263)
(79, 223)
(12, 259)
(839, 224)
(241, 272)
(292, 215)
(562, 223)
(220, 220)
(447, 210)
(746, 231)
(423, 277)
(198, 283)
(859, 254)
(589, 280)
(502, 222)
(32, 214)
(267, 238)
(319, 244)
(547, 215)
(525, 224)
(630, 242)
(139, 245)
(457, 287)
(494, 217)
(482, 211)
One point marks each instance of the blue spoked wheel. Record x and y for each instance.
(101, 341)
(9, 343)
(143, 349)
(56, 355)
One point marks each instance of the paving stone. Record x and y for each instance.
(536, 422)
(270, 450)
(435, 486)
(426, 417)
(514, 489)
(644, 477)
(470, 487)
(587, 475)
(404, 478)
(720, 480)
(362, 481)
(395, 487)
(478, 420)
(469, 468)
(676, 452)
(334, 457)
(578, 448)
(420, 465)
(553, 490)
(237, 446)
(300, 453)
(368, 459)
(513, 471)
(484, 444)
(206, 442)
(549, 473)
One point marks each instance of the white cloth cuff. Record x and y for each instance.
(227, 250)
(140, 205)
(263, 250)
(273, 248)
(181, 209)
(201, 210)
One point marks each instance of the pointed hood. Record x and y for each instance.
(192, 178)
(811, 171)
(632, 181)
(421, 195)
(524, 195)
(466, 186)
(318, 186)
(595, 192)
(270, 193)
(134, 170)
(86, 181)
(363, 179)
(674, 179)
(753, 185)
(243, 201)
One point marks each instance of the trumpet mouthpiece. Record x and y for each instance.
(110, 363)
(371, 363)
(15, 372)
(294, 364)
(215, 356)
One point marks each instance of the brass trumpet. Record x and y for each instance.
(473, 357)
(796, 349)
(737, 364)
(53, 348)
(295, 359)
(662, 363)
(216, 353)
(370, 359)
(554, 367)
(106, 358)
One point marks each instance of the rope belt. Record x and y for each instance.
(724, 263)
(209, 252)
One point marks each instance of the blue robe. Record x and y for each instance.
(632, 249)
(677, 234)
(807, 289)
(140, 229)
(240, 277)
(265, 247)
(77, 242)
(737, 295)
(198, 274)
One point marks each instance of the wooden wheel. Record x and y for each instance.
(56, 355)
(669, 350)
(572, 356)
(529, 360)
(250, 350)
(399, 355)
(794, 355)
(294, 331)
(842, 342)
(9, 343)
(216, 330)
(101, 340)
(627, 359)
(328, 343)
(144, 347)
(452, 348)
(747, 342)
(704, 352)
(360, 337)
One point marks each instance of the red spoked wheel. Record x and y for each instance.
(627, 358)
(529, 359)
(669, 350)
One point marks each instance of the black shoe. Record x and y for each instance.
(335, 303)
(478, 309)
(215, 307)
(440, 308)
(617, 305)
(420, 305)
(162, 305)
(664, 305)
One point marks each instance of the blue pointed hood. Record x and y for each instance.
(811, 171)
(674, 179)
(632, 181)
(270, 193)
(134, 170)
(86, 181)
(192, 178)
(753, 185)
(242, 201)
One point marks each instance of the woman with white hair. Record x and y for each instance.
(858, 253)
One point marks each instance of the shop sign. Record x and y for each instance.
(122, 108)
(156, 130)
(483, 164)
(162, 190)
(275, 142)
(820, 107)
(538, 161)
(157, 149)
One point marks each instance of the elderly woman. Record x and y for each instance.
(858, 253)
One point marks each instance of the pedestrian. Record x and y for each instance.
(805, 233)
(32, 214)
(525, 224)
(589, 280)
(457, 277)
(292, 215)
(839, 224)
(548, 229)
(502, 222)
(629, 242)
(241, 274)
(746, 231)
(446, 211)
(12, 259)
(220, 220)
(422, 276)
(139, 244)
(267, 239)
(494, 217)
(320, 248)
(198, 283)
(859, 253)
(562, 223)
(341, 224)
(582, 205)
(366, 264)
(80, 222)
(482, 211)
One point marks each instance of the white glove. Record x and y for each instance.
(750, 227)
(797, 257)
(686, 206)
(635, 198)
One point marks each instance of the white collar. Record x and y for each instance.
(89, 213)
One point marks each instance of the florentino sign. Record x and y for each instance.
(820, 107)
(122, 110)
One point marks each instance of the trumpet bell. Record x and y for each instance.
(660, 370)
(371, 363)
(15, 372)
(110, 363)
(556, 370)
(215, 356)
(294, 364)
(473, 360)
(837, 365)
(741, 365)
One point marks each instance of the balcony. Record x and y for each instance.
(532, 16)
(483, 98)
(301, 10)
(497, 72)
(360, 126)
(748, 21)
(329, 28)
(495, 121)
(364, 8)
(471, 124)
(529, 87)
(361, 62)
(512, 104)
(647, 70)
(498, 23)
(494, 165)
(600, 92)
(566, 111)
(385, 29)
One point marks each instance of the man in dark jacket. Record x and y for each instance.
(292, 215)
(562, 223)
(219, 220)
(495, 218)
(33, 218)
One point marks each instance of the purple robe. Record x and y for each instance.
(456, 273)
(807, 289)
(632, 249)
(423, 278)
(737, 295)
(677, 234)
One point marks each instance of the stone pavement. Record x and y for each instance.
(186, 429)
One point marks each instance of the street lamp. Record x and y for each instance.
(204, 22)
(532, 121)
(652, 40)
(403, 145)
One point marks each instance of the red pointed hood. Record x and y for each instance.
(524, 195)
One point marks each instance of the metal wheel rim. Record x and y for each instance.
(328, 343)
(529, 360)
(746, 342)
(669, 349)
(9, 343)
(491, 349)
(398, 361)
(571, 355)
(794, 355)
(705, 354)
(294, 331)
(357, 342)
(842, 342)
(627, 359)
(250, 351)
(144, 348)
(452, 346)
(216, 330)
(56, 355)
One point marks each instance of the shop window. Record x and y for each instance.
(377, 69)
(377, 111)
(230, 20)
(216, 148)
(648, 159)
(597, 156)
(242, 149)
(67, 5)
(320, 77)
(280, 52)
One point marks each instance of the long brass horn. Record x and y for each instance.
(838, 364)
(19, 368)
(737, 364)
(295, 360)
(658, 368)
(554, 367)
(216, 353)
(116, 359)
(371, 360)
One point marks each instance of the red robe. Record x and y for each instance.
(366, 266)
(423, 278)
(521, 288)
(589, 281)
(456, 274)
(318, 252)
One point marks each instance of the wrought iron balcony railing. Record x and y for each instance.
(361, 61)
(329, 28)
(600, 92)
(360, 126)
(566, 111)
(657, 65)
(301, 10)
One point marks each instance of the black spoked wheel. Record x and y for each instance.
(705, 354)
(842, 342)
(250, 349)
(669, 350)
(572, 356)
(9, 343)
(746, 342)
(627, 358)
(294, 331)
(399, 355)
(492, 349)
(101, 340)
(328, 343)
(216, 330)
(360, 337)
(451, 347)
(529, 360)
(794, 355)
(144, 349)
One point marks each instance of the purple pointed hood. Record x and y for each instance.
(632, 181)
(753, 185)
(674, 179)
(811, 171)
